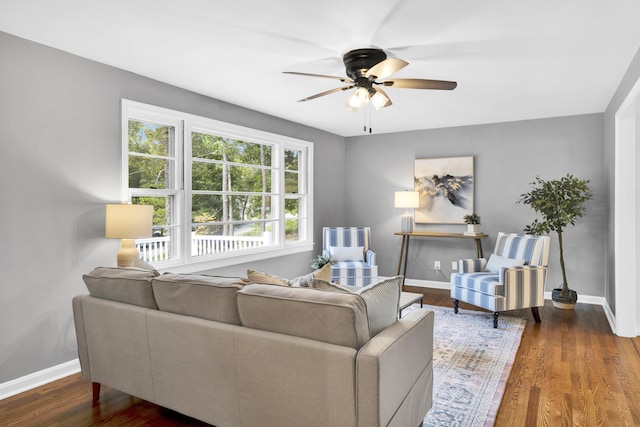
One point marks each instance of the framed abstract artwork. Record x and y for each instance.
(446, 189)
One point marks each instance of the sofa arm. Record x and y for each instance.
(523, 286)
(472, 265)
(394, 373)
(370, 258)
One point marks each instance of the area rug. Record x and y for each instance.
(471, 365)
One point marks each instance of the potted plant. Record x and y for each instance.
(320, 261)
(560, 202)
(473, 221)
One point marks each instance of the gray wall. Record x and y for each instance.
(508, 156)
(60, 154)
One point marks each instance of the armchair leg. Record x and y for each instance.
(455, 306)
(495, 319)
(96, 392)
(536, 314)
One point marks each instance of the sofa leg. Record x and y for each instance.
(536, 314)
(96, 392)
(455, 306)
(495, 319)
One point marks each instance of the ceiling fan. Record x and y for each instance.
(366, 70)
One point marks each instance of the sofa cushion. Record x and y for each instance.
(208, 297)
(129, 285)
(333, 318)
(382, 299)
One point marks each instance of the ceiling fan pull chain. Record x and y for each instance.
(364, 121)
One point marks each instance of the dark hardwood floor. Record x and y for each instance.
(570, 370)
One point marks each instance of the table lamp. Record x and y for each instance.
(128, 222)
(407, 200)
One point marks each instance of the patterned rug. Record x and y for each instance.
(471, 365)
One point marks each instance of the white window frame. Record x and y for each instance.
(184, 123)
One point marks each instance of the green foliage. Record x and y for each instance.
(560, 202)
(471, 219)
(320, 261)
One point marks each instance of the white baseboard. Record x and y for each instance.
(584, 299)
(434, 284)
(39, 378)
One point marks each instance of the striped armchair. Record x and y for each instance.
(354, 263)
(512, 278)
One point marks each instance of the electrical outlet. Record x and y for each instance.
(454, 265)
(436, 265)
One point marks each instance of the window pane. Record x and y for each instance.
(291, 182)
(147, 172)
(163, 243)
(149, 138)
(206, 146)
(249, 179)
(291, 227)
(291, 159)
(206, 176)
(219, 208)
(291, 222)
(210, 239)
(212, 147)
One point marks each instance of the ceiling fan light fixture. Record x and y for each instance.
(379, 100)
(358, 99)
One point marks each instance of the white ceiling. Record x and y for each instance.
(513, 60)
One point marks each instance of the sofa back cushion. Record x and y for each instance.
(128, 285)
(207, 297)
(322, 316)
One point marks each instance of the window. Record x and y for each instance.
(221, 193)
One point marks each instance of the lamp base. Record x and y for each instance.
(128, 253)
(406, 226)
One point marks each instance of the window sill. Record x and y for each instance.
(232, 259)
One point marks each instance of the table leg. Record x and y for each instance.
(401, 255)
(479, 248)
(406, 259)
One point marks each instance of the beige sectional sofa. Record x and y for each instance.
(236, 354)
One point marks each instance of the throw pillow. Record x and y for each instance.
(323, 273)
(325, 285)
(266, 278)
(496, 262)
(346, 253)
(382, 300)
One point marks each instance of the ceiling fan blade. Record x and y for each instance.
(342, 79)
(420, 84)
(385, 68)
(326, 92)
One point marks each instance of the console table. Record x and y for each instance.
(404, 249)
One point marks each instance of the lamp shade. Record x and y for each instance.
(128, 221)
(407, 199)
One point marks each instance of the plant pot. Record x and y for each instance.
(567, 302)
(473, 229)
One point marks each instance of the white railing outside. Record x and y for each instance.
(158, 248)
(153, 249)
